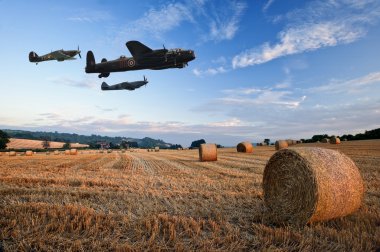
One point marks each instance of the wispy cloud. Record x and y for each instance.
(267, 5)
(224, 27)
(325, 25)
(161, 20)
(222, 21)
(105, 109)
(349, 86)
(88, 82)
(90, 16)
(209, 71)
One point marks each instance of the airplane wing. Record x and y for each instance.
(59, 55)
(137, 49)
(127, 86)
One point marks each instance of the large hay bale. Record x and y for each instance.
(334, 140)
(156, 149)
(245, 147)
(289, 142)
(29, 153)
(325, 140)
(12, 154)
(67, 152)
(56, 152)
(208, 152)
(281, 144)
(73, 151)
(304, 185)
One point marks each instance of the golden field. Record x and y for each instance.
(17, 143)
(168, 200)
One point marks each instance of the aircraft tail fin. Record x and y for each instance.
(33, 57)
(104, 86)
(90, 61)
(137, 48)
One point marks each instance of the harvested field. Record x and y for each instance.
(168, 200)
(17, 143)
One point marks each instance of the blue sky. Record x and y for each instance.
(264, 69)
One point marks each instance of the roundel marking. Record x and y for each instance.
(131, 63)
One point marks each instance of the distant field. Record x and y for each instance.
(168, 200)
(16, 143)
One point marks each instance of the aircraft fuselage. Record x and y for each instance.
(155, 60)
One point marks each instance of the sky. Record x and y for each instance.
(263, 69)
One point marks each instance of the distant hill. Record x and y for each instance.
(93, 140)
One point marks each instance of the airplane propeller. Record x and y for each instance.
(80, 56)
(145, 80)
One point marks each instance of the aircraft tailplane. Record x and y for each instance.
(33, 57)
(90, 60)
(105, 86)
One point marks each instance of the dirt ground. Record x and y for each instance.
(168, 200)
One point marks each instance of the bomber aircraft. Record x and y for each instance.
(59, 55)
(142, 58)
(125, 85)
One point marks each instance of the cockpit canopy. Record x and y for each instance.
(176, 50)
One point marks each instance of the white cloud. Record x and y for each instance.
(233, 122)
(164, 19)
(224, 27)
(261, 97)
(90, 16)
(320, 24)
(349, 86)
(267, 5)
(87, 82)
(298, 40)
(209, 71)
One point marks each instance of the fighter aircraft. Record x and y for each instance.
(59, 55)
(142, 58)
(125, 85)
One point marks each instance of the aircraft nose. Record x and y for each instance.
(192, 55)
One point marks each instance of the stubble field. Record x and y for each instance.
(168, 200)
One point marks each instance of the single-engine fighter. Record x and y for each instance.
(125, 85)
(142, 58)
(59, 55)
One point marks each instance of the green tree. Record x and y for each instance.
(197, 143)
(66, 146)
(4, 139)
(45, 142)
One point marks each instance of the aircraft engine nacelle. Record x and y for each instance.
(181, 65)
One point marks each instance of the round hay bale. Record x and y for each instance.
(304, 185)
(244, 147)
(289, 142)
(334, 140)
(29, 153)
(208, 152)
(12, 154)
(109, 151)
(156, 149)
(73, 151)
(281, 144)
(56, 152)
